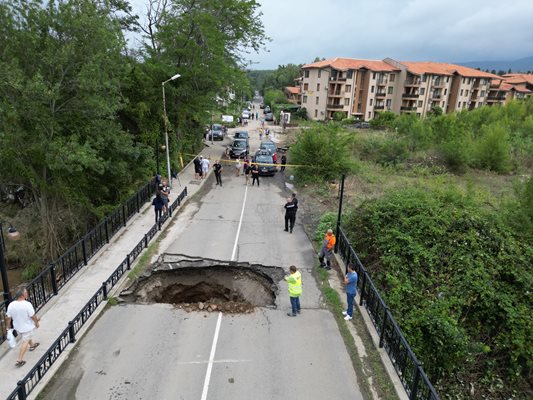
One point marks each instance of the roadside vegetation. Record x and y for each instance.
(441, 212)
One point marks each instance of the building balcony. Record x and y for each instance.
(436, 96)
(381, 82)
(414, 82)
(335, 94)
(407, 108)
(335, 106)
(496, 98)
(379, 107)
(410, 95)
(381, 94)
(439, 84)
(336, 79)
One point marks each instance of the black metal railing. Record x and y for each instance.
(26, 385)
(47, 284)
(408, 368)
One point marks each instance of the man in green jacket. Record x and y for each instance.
(294, 281)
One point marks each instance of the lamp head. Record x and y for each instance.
(175, 77)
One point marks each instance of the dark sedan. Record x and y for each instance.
(265, 162)
(217, 132)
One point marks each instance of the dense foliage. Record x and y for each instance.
(457, 278)
(284, 75)
(498, 139)
(322, 154)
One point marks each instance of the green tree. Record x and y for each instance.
(322, 153)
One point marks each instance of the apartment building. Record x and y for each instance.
(293, 94)
(364, 88)
(502, 92)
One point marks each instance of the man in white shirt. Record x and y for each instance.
(22, 313)
(205, 167)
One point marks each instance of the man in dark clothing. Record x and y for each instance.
(197, 168)
(283, 162)
(290, 214)
(255, 174)
(157, 202)
(217, 167)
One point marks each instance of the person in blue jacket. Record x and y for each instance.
(350, 280)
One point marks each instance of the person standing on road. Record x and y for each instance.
(217, 167)
(205, 167)
(327, 249)
(238, 167)
(283, 162)
(350, 280)
(165, 195)
(197, 168)
(247, 170)
(290, 214)
(294, 282)
(157, 202)
(22, 313)
(255, 174)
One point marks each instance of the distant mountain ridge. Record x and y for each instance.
(521, 65)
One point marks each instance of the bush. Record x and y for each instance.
(273, 97)
(493, 151)
(327, 221)
(457, 281)
(301, 113)
(457, 154)
(384, 120)
(323, 153)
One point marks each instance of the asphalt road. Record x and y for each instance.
(161, 352)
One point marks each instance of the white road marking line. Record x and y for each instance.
(211, 358)
(214, 362)
(240, 224)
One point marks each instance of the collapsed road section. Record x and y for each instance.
(194, 283)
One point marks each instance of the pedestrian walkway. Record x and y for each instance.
(62, 308)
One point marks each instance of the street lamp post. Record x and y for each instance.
(166, 129)
(12, 234)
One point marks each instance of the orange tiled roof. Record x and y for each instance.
(518, 78)
(345, 64)
(437, 68)
(292, 89)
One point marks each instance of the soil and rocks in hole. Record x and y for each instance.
(198, 284)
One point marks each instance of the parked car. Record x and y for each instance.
(362, 125)
(245, 114)
(239, 148)
(265, 162)
(217, 132)
(270, 146)
(267, 110)
(262, 105)
(241, 135)
(269, 117)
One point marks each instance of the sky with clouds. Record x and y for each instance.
(416, 30)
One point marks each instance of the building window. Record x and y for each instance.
(346, 102)
(445, 92)
(482, 93)
(390, 90)
(374, 75)
(316, 113)
(461, 92)
(388, 103)
(392, 77)
(319, 73)
(424, 78)
(464, 80)
(318, 87)
(469, 80)
(369, 115)
(447, 79)
(348, 88)
(422, 91)
(304, 100)
(419, 103)
(372, 89)
(442, 104)
(349, 74)
(371, 101)
(306, 86)
(317, 99)
(306, 73)
(466, 92)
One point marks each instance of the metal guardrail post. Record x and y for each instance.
(104, 290)
(71, 333)
(145, 240)
(53, 278)
(84, 251)
(414, 388)
(21, 390)
(384, 326)
(362, 295)
(128, 262)
(124, 214)
(106, 231)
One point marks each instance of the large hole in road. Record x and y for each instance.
(208, 285)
